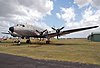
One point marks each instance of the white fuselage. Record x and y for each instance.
(27, 30)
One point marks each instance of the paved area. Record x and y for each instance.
(12, 61)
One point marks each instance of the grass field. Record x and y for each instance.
(74, 50)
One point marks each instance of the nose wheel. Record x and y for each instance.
(19, 42)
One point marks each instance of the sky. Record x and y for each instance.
(51, 13)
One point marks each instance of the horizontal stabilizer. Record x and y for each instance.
(5, 33)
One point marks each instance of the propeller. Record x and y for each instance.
(57, 31)
(41, 33)
(10, 32)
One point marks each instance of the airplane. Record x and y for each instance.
(26, 31)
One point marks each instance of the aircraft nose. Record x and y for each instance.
(11, 29)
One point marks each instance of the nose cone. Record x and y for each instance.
(11, 29)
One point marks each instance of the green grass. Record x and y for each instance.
(74, 50)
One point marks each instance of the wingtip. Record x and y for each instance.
(4, 33)
(96, 26)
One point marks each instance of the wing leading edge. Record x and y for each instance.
(70, 31)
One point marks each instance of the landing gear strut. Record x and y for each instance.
(48, 42)
(28, 41)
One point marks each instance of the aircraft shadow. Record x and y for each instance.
(57, 44)
(42, 43)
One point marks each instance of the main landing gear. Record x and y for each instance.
(28, 41)
(19, 41)
(47, 42)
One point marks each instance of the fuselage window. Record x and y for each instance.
(21, 25)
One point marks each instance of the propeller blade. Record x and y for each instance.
(53, 28)
(38, 31)
(41, 33)
(44, 30)
(9, 32)
(57, 37)
(5, 33)
(61, 28)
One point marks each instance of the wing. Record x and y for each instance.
(70, 31)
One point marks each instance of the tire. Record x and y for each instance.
(47, 42)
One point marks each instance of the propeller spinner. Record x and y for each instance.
(11, 29)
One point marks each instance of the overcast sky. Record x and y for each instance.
(48, 13)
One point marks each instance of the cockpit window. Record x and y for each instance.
(21, 25)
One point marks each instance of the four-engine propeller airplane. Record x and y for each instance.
(27, 31)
